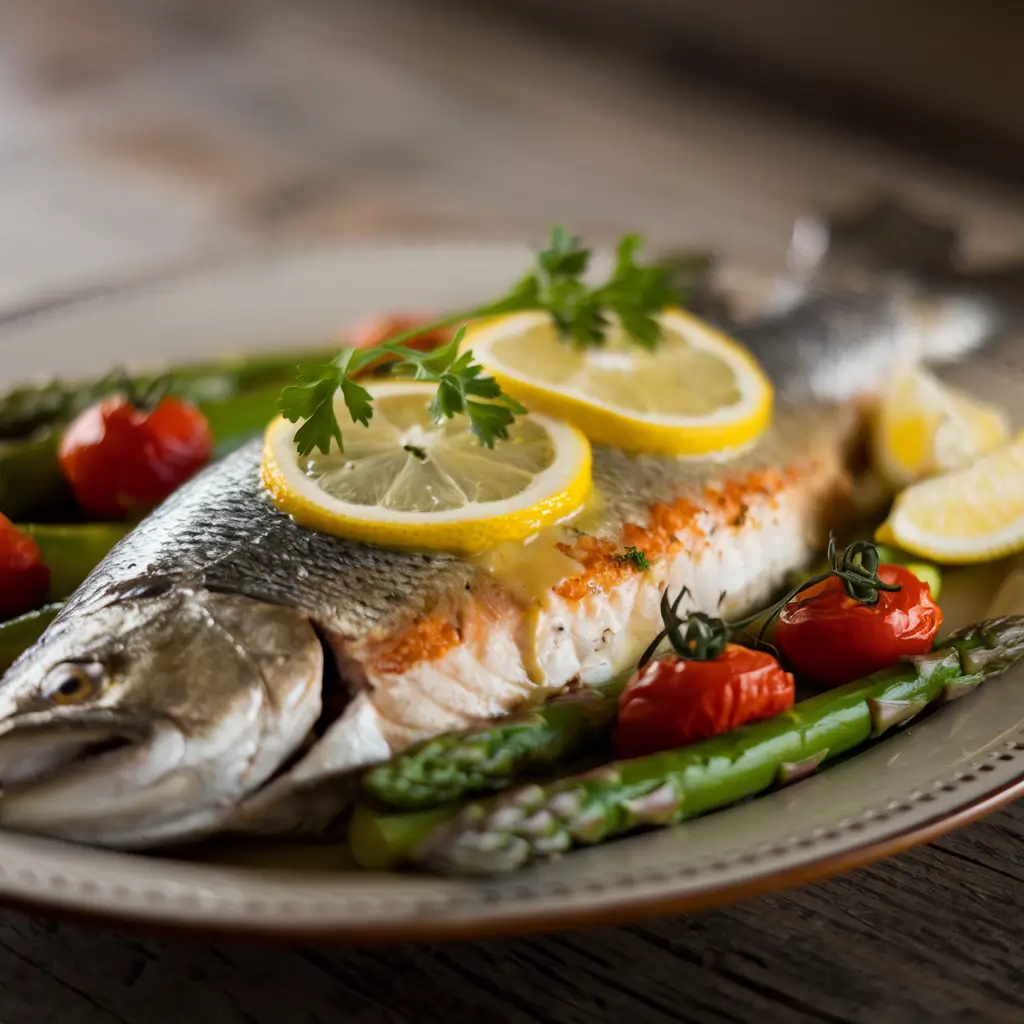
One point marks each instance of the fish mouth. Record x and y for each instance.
(69, 776)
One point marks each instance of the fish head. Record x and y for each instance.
(148, 719)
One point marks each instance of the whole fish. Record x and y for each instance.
(225, 669)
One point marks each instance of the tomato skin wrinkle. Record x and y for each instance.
(830, 638)
(122, 461)
(24, 578)
(674, 701)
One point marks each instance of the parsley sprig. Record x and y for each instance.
(633, 295)
(461, 385)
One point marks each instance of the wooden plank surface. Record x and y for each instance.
(140, 136)
(946, 71)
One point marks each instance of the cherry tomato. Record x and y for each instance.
(673, 701)
(832, 638)
(379, 329)
(122, 461)
(24, 579)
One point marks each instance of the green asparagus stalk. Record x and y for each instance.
(30, 475)
(492, 755)
(72, 552)
(241, 418)
(924, 571)
(534, 821)
(26, 409)
(381, 841)
(17, 635)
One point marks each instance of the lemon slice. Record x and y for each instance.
(698, 392)
(970, 515)
(924, 427)
(406, 481)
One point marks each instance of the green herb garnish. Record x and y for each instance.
(636, 556)
(460, 387)
(634, 295)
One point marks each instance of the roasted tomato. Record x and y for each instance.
(122, 461)
(379, 329)
(674, 700)
(24, 579)
(831, 637)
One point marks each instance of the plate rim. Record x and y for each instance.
(500, 925)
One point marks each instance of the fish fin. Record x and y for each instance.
(884, 235)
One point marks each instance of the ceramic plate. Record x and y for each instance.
(944, 770)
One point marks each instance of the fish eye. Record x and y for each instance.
(72, 683)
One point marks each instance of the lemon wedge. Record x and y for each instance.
(924, 428)
(697, 393)
(406, 481)
(974, 514)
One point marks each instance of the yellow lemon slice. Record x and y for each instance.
(697, 393)
(974, 514)
(924, 428)
(406, 481)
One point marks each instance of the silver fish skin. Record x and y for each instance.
(238, 668)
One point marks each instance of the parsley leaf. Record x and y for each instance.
(636, 556)
(311, 399)
(637, 294)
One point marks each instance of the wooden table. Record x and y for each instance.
(135, 137)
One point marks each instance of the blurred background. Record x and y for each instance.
(137, 135)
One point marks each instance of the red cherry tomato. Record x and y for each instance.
(379, 329)
(24, 579)
(673, 701)
(832, 638)
(122, 461)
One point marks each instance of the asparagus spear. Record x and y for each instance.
(29, 474)
(241, 414)
(534, 821)
(72, 552)
(26, 409)
(490, 756)
(17, 635)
